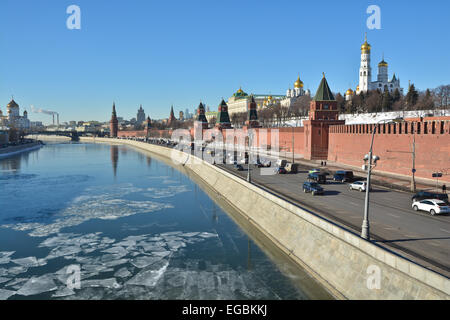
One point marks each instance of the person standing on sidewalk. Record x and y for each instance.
(444, 188)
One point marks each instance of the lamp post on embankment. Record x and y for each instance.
(250, 141)
(365, 229)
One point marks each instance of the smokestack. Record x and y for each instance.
(57, 119)
(53, 119)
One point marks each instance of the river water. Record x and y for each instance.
(94, 221)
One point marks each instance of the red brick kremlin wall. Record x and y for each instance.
(393, 144)
(347, 144)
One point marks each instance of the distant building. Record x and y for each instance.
(365, 74)
(292, 95)
(13, 117)
(140, 118)
(239, 102)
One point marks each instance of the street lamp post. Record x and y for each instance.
(365, 230)
(250, 136)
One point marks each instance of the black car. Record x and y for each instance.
(312, 187)
(343, 176)
(318, 177)
(422, 195)
(239, 167)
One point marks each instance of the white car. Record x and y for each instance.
(358, 185)
(433, 206)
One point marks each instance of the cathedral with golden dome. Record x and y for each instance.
(365, 74)
(293, 94)
(13, 117)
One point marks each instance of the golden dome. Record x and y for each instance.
(357, 87)
(269, 98)
(365, 48)
(349, 92)
(12, 104)
(383, 64)
(298, 84)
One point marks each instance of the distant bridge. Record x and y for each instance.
(73, 135)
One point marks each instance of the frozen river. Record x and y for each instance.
(91, 221)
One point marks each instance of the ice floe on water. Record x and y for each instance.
(105, 203)
(170, 191)
(37, 285)
(30, 262)
(114, 265)
(149, 276)
(5, 256)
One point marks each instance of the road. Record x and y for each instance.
(393, 224)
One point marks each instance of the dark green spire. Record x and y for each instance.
(324, 93)
(223, 116)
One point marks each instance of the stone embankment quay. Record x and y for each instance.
(12, 150)
(347, 265)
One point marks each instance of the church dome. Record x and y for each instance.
(383, 64)
(357, 87)
(349, 92)
(365, 48)
(12, 104)
(298, 84)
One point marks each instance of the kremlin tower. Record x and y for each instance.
(323, 113)
(172, 118)
(148, 126)
(223, 118)
(113, 123)
(252, 121)
(201, 118)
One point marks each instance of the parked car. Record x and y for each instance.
(281, 163)
(343, 176)
(239, 167)
(317, 177)
(433, 206)
(281, 170)
(291, 167)
(359, 185)
(312, 187)
(314, 171)
(422, 195)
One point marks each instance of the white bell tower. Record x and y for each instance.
(365, 71)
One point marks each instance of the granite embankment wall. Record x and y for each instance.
(9, 151)
(337, 258)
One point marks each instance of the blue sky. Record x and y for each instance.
(159, 53)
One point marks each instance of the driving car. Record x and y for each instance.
(423, 195)
(318, 177)
(312, 187)
(343, 176)
(359, 185)
(433, 206)
(314, 171)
